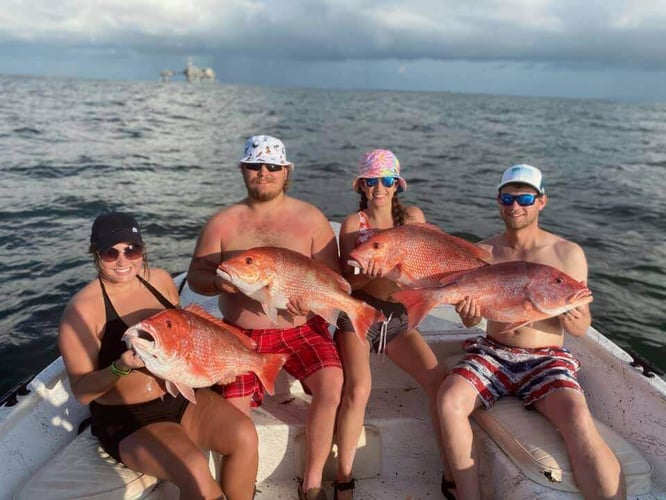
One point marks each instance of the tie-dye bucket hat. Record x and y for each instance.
(265, 149)
(380, 163)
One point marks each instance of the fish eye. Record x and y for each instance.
(168, 323)
(559, 280)
(375, 245)
(248, 260)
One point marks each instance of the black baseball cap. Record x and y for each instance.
(112, 228)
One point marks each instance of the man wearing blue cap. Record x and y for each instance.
(529, 362)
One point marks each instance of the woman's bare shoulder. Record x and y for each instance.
(414, 215)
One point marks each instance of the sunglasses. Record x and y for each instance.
(386, 181)
(524, 200)
(257, 166)
(131, 252)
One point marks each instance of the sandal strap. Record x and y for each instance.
(344, 486)
(447, 486)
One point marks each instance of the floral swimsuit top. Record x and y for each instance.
(365, 231)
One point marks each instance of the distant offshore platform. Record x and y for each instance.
(192, 73)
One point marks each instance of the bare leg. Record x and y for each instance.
(596, 468)
(165, 451)
(356, 391)
(215, 424)
(413, 355)
(456, 400)
(325, 385)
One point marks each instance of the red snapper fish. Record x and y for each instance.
(516, 293)
(191, 348)
(273, 276)
(418, 255)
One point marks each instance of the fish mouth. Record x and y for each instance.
(224, 274)
(581, 297)
(139, 335)
(358, 267)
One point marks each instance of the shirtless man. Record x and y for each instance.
(550, 367)
(268, 217)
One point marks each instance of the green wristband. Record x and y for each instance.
(118, 372)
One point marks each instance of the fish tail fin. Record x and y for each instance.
(363, 318)
(418, 304)
(270, 368)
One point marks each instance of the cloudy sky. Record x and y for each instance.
(582, 48)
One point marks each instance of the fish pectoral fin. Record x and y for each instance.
(171, 388)
(270, 311)
(185, 390)
(266, 299)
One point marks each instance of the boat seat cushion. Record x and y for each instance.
(538, 450)
(84, 470)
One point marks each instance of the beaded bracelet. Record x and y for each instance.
(118, 372)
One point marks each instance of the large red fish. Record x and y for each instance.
(191, 348)
(516, 293)
(418, 255)
(273, 276)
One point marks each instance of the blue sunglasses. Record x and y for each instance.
(524, 200)
(386, 181)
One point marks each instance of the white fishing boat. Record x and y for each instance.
(521, 455)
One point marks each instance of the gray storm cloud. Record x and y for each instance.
(611, 32)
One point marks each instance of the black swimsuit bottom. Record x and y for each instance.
(113, 423)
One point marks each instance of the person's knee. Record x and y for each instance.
(243, 437)
(451, 402)
(569, 413)
(357, 393)
(328, 390)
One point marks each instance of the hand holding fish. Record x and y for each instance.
(576, 321)
(130, 359)
(222, 285)
(297, 307)
(469, 311)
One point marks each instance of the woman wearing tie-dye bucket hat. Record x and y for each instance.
(378, 182)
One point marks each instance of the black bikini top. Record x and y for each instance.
(112, 347)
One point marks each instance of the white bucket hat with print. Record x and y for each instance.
(265, 149)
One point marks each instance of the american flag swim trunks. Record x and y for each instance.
(497, 370)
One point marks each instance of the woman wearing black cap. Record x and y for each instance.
(135, 419)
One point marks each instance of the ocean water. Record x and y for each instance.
(71, 149)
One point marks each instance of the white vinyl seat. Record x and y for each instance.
(84, 470)
(536, 447)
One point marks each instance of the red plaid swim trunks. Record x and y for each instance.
(497, 370)
(310, 348)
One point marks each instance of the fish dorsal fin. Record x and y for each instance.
(201, 312)
(428, 225)
(476, 251)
